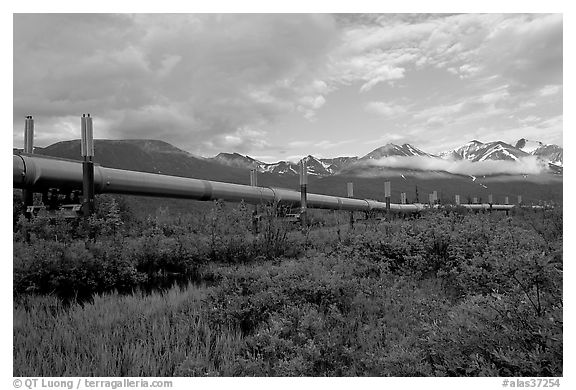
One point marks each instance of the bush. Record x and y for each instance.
(453, 293)
(496, 336)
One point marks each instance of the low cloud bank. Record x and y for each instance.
(524, 166)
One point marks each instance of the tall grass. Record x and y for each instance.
(160, 334)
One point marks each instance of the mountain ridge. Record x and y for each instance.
(473, 151)
(125, 153)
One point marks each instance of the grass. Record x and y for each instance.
(177, 333)
(452, 294)
(160, 334)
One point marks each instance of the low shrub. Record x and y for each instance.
(449, 294)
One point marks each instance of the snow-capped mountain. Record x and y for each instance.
(337, 164)
(317, 167)
(390, 150)
(280, 168)
(467, 151)
(474, 151)
(314, 167)
(553, 154)
(247, 162)
(478, 151)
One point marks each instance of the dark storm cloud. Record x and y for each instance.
(168, 75)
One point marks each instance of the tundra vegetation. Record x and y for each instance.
(446, 294)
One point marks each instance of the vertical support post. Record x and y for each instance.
(303, 185)
(28, 196)
(351, 195)
(387, 194)
(29, 134)
(87, 150)
(490, 201)
(254, 183)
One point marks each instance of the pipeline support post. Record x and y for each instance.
(254, 183)
(28, 196)
(387, 193)
(303, 194)
(351, 195)
(87, 150)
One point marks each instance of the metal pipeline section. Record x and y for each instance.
(487, 206)
(41, 173)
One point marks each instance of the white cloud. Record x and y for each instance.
(243, 140)
(550, 90)
(385, 109)
(444, 111)
(524, 49)
(530, 119)
(495, 96)
(380, 74)
(465, 110)
(435, 121)
(464, 71)
(325, 144)
(369, 68)
(309, 104)
(527, 165)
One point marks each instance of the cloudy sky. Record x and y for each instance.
(280, 86)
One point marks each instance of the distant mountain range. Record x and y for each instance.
(474, 151)
(317, 167)
(330, 176)
(477, 151)
(162, 157)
